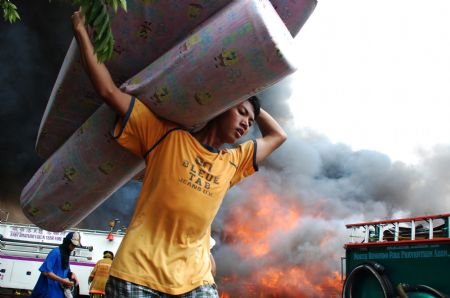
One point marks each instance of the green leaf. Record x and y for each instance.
(86, 9)
(104, 41)
(110, 49)
(104, 26)
(123, 4)
(102, 45)
(96, 8)
(114, 5)
(97, 16)
(10, 13)
(101, 18)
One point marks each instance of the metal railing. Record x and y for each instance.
(390, 230)
(19, 248)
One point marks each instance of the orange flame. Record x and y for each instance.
(262, 219)
(289, 282)
(250, 231)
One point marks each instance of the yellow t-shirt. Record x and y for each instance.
(166, 246)
(99, 276)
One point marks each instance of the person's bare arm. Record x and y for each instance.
(51, 275)
(272, 136)
(97, 72)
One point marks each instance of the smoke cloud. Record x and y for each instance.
(31, 54)
(331, 185)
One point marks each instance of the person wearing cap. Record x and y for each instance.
(99, 275)
(55, 271)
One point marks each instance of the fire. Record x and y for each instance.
(252, 231)
(262, 219)
(284, 282)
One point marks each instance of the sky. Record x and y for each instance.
(375, 75)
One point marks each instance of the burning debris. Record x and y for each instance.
(259, 254)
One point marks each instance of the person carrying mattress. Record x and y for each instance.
(166, 250)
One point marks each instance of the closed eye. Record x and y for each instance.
(243, 111)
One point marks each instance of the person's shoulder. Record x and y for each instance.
(241, 146)
(104, 260)
(54, 253)
(142, 108)
(138, 106)
(55, 250)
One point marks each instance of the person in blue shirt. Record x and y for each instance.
(55, 271)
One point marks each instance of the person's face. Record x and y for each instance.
(71, 246)
(236, 122)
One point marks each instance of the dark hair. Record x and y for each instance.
(256, 105)
(108, 254)
(65, 252)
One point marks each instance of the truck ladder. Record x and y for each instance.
(379, 231)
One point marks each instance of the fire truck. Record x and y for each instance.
(24, 247)
(407, 257)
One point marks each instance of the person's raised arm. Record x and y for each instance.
(272, 136)
(97, 72)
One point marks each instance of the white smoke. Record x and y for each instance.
(334, 186)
